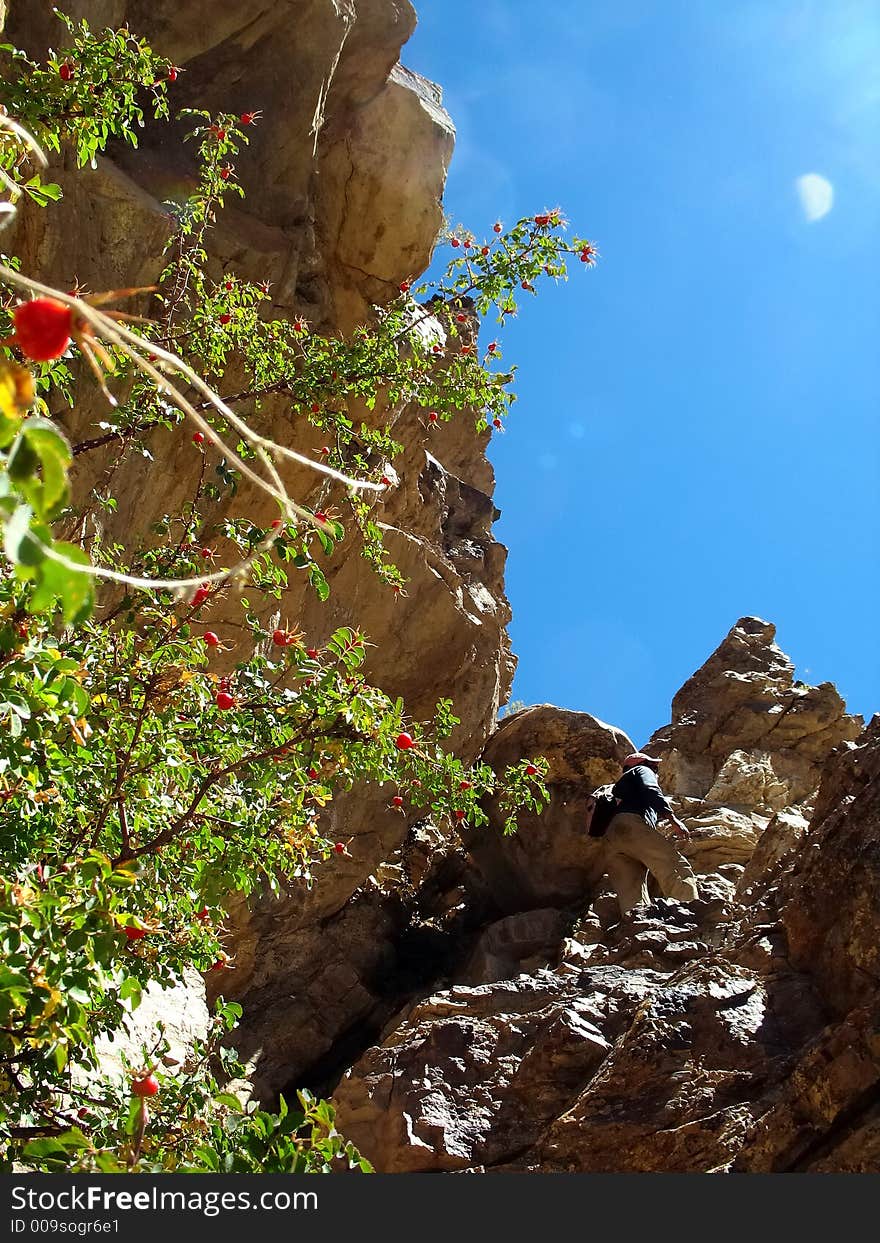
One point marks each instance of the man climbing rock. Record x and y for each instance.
(634, 846)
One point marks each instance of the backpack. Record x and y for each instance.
(601, 809)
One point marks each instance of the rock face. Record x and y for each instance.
(344, 179)
(488, 1005)
(550, 860)
(737, 1032)
(744, 733)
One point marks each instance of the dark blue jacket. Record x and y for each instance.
(639, 791)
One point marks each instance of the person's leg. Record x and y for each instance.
(627, 873)
(629, 879)
(672, 870)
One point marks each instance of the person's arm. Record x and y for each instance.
(678, 829)
(655, 798)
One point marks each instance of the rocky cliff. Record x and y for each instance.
(737, 1032)
(478, 1003)
(344, 180)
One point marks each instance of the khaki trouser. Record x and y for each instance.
(632, 850)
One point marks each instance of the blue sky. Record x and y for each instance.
(696, 436)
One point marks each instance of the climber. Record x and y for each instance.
(634, 846)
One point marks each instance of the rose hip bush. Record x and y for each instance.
(144, 780)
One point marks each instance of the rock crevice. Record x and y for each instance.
(737, 1032)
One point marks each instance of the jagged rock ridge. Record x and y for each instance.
(739, 1032)
(497, 1011)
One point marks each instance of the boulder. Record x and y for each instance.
(782, 835)
(550, 861)
(744, 732)
(473, 1075)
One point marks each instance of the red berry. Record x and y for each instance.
(404, 286)
(459, 815)
(462, 319)
(497, 423)
(492, 347)
(200, 596)
(279, 638)
(385, 481)
(468, 243)
(230, 285)
(316, 409)
(455, 242)
(432, 417)
(404, 742)
(325, 450)
(43, 328)
(248, 118)
(312, 653)
(224, 318)
(148, 1086)
(497, 226)
(485, 250)
(208, 554)
(320, 516)
(219, 964)
(82, 1112)
(173, 73)
(224, 172)
(397, 801)
(219, 134)
(224, 701)
(277, 524)
(135, 934)
(198, 438)
(66, 71)
(466, 349)
(464, 785)
(542, 220)
(202, 914)
(531, 770)
(313, 774)
(435, 349)
(211, 638)
(340, 848)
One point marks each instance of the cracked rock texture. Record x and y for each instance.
(344, 179)
(736, 1032)
(480, 1004)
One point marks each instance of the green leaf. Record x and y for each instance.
(39, 1149)
(17, 544)
(319, 582)
(131, 991)
(230, 1101)
(42, 192)
(72, 588)
(42, 446)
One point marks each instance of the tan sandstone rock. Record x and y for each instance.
(344, 178)
(550, 860)
(744, 732)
